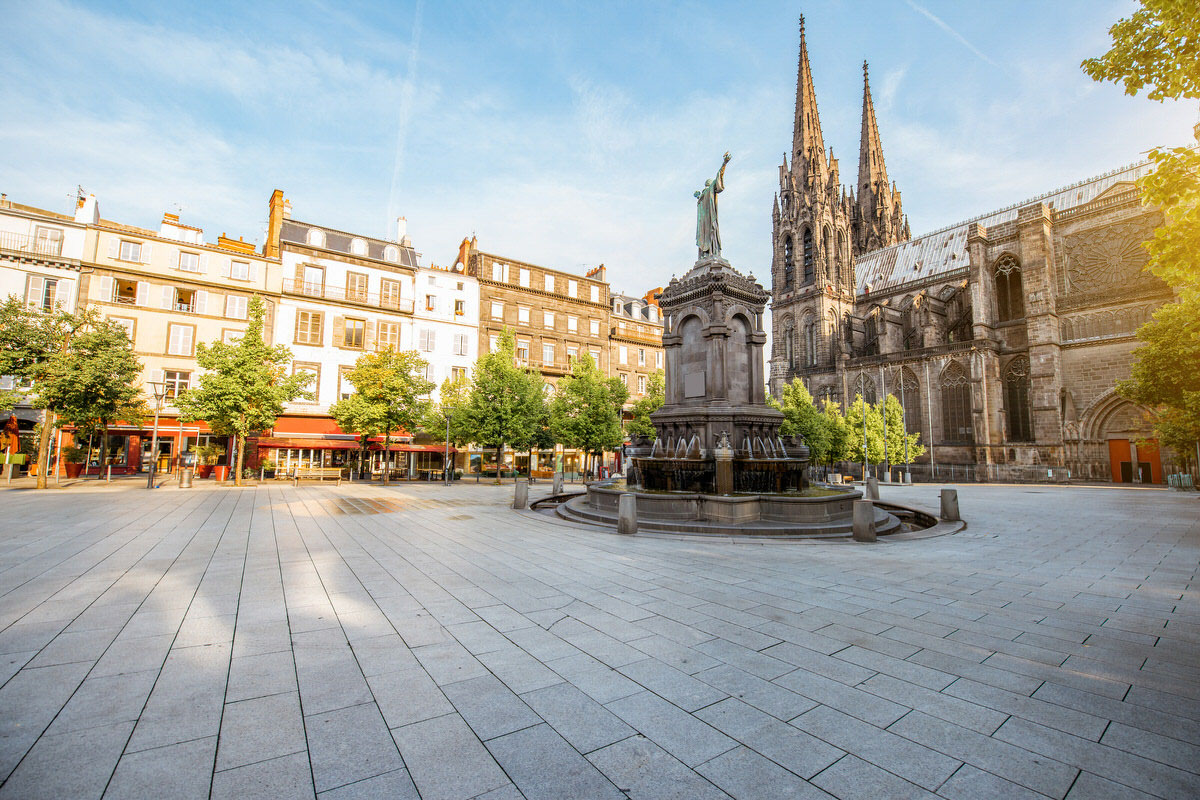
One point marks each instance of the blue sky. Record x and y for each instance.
(564, 136)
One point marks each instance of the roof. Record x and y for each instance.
(296, 232)
(945, 250)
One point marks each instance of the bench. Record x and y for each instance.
(317, 473)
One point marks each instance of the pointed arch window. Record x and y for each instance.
(1010, 293)
(956, 405)
(1017, 410)
(789, 263)
(809, 256)
(810, 344)
(865, 386)
(789, 352)
(907, 389)
(840, 257)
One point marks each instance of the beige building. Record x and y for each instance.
(635, 349)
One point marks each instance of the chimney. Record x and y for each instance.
(278, 212)
(88, 211)
(402, 232)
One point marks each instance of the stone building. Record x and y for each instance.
(1005, 334)
(635, 333)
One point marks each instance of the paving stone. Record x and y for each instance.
(73, 764)
(181, 771)
(644, 771)
(543, 765)
(104, 701)
(679, 733)
(446, 760)
(579, 719)
(671, 684)
(288, 776)
(1137, 716)
(787, 746)
(395, 785)
(260, 675)
(260, 729)
(1092, 787)
(970, 783)
(851, 778)
(520, 671)
(1030, 708)
(745, 659)
(408, 696)
(777, 701)
(977, 717)
(744, 773)
(349, 745)
(489, 707)
(846, 699)
(379, 654)
(449, 662)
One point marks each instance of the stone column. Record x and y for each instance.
(1035, 228)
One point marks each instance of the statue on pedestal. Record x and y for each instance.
(708, 235)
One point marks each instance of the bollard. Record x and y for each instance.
(864, 521)
(521, 494)
(558, 478)
(185, 478)
(908, 477)
(950, 505)
(627, 513)
(872, 488)
(887, 476)
(262, 474)
(109, 478)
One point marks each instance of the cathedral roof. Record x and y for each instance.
(945, 250)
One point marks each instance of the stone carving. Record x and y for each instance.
(1102, 257)
(708, 234)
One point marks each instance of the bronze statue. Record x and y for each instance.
(708, 235)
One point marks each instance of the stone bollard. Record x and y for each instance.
(908, 477)
(950, 505)
(558, 478)
(864, 521)
(887, 476)
(521, 494)
(872, 488)
(627, 513)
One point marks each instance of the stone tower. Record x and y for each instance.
(812, 271)
(879, 220)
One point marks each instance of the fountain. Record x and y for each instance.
(718, 463)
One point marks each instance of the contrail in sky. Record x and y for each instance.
(405, 112)
(936, 20)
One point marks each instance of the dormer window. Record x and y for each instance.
(358, 247)
(315, 238)
(390, 253)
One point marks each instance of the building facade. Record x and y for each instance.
(635, 333)
(1005, 334)
(446, 323)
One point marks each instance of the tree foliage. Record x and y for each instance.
(801, 418)
(506, 402)
(896, 434)
(838, 431)
(1157, 47)
(586, 410)
(243, 385)
(854, 431)
(647, 404)
(454, 398)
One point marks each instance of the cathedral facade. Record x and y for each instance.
(1004, 335)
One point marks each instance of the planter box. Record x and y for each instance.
(73, 470)
(204, 470)
(221, 472)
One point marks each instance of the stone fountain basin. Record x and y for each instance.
(729, 515)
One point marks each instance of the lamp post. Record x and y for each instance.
(159, 390)
(447, 412)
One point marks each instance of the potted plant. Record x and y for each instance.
(268, 468)
(73, 458)
(207, 456)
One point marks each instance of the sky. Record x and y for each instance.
(565, 136)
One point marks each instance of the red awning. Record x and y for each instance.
(309, 444)
(415, 448)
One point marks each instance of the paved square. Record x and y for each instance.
(423, 641)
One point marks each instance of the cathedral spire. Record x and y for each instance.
(872, 172)
(808, 146)
(878, 218)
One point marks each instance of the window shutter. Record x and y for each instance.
(33, 295)
(201, 302)
(299, 275)
(225, 267)
(203, 262)
(168, 296)
(106, 288)
(339, 331)
(143, 293)
(156, 376)
(253, 275)
(147, 248)
(62, 293)
(114, 248)
(369, 336)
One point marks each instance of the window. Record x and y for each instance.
(460, 308)
(641, 357)
(572, 288)
(460, 344)
(389, 293)
(549, 283)
(358, 247)
(354, 333)
(497, 310)
(179, 339)
(595, 352)
(522, 315)
(49, 241)
(1010, 294)
(908, 391)
(356, 287)
(658, 359)
(189, 262)
(622, 354)
(547, 353)
(315, 237)
(239, 270)
(548, 319)
(314, 386)
(594, 327)
(308, 328)
(458, 373)
(497, 272)
(431, 302)
(865, 388)
(41, 292)
(176, 383)
(235, 307)
(572, 354)
(493, 343)
(524, 278)
(345, 387)
(624, 379)
(956, 405)
(595, 294)
(460, 285)
(1017, 410)
(641, 384)
(390, 253)
(573, 324)
(426, 339)
(789, 264)
(313, 283)
(131, 251)
(789, 347)
(809, 256)
(431, 280)
(128, 324)
(523, 352)
(231, 335)
(388, 337)
(810, 344)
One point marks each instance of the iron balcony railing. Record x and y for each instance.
(404, 305)
(23, 243)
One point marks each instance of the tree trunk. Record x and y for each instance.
(387, 458)
(103, 449)
(241, 459)
(44, 448)
(499, 462)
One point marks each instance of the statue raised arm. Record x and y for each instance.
(708, 235)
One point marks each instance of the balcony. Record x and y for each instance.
(642, 337)
(22, 243)
(402, 305)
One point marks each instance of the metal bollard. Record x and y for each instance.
(872, 488)
(185, 478)
(109, 478)
(950, 505)
(627, 513)
(864, 521)
(521, 494)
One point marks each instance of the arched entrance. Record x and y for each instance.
(1122, 425)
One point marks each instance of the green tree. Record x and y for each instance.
(505, 403)
(647, 404)
(896, 434)
(586, 410)
(1166, 375)
(854, 431)
(243, 386)
(839, 432)
(454, 398)
(356, 414)
(1157, 47)
(390, 391)
(801, 418)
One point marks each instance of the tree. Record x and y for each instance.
(647, 404)
(454, 397)
(505, 401)
(1157, 47)
(356, 414)
(896, 434)
(839, 432)
(586, 410)
(32, 346)
(801, 418)
(854, 431)
(389, 395)
(1166, 375)
(244, 385)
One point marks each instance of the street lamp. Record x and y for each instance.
(159, 390)
(447, 412)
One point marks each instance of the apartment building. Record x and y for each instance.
(635, 334)
(446, 323)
